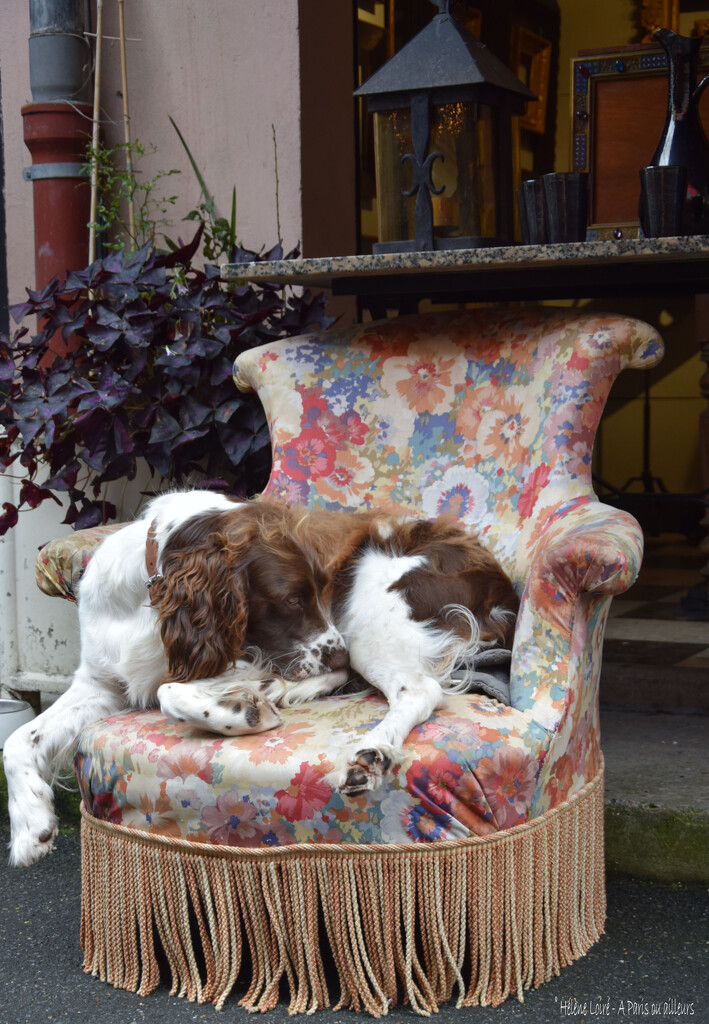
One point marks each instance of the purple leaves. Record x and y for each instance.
(9, 518)
(165, 427)
(150, 378)
(34, 496)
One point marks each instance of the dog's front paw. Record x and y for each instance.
(244, 712)
(368, 769)
(33, 823)
(27, 846)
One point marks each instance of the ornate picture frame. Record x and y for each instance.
(618, 107)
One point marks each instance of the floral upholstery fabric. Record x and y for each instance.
(470, 769)
(60, 564)
(489, 415)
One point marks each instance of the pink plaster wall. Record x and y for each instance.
(14, 69)
(226, 71)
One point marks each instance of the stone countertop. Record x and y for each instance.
(327, 272)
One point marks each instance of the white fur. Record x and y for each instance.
(122, 665)
(407, 661)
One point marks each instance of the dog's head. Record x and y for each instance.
(237, 581)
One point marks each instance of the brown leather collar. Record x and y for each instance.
(151, 554)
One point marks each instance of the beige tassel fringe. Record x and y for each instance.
(472, 920)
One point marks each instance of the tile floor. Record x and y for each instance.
(663, 620)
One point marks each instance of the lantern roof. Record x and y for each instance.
(442, 56)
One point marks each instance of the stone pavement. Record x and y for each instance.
(655, 717)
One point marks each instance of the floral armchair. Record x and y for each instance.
(479, 870)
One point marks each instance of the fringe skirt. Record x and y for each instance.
(472, 920)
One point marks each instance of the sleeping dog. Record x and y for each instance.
(222, 612)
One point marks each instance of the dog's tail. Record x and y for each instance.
(459, 646)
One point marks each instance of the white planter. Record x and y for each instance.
(13, 714)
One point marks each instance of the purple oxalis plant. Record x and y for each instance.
(150, 379)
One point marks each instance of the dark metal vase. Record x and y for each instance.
(683, 142)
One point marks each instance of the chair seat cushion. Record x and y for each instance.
(471, 769)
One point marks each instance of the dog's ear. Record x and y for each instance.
(202, 597)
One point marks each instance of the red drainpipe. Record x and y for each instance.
(57, 135)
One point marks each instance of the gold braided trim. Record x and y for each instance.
(473, 920)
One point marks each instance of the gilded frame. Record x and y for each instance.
(656, 14)
(470, 17)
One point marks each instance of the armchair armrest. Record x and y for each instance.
(587, 553)
(590, 547)
(60, 563)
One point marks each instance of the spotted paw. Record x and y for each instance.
(27, 846)
(367, 770)
(236, 712)
(242, 713)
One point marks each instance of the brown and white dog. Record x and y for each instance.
(242, 596)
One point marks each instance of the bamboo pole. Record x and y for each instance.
(95, 131)
(126, 118)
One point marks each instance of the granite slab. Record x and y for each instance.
(685, 259)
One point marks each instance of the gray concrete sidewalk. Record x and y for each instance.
(651, 965)
(657, 794)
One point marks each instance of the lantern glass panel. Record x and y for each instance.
(464, 134)
(392, 138)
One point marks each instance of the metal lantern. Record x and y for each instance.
(442, 111)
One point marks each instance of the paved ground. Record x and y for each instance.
(659, 760)
(652, 964)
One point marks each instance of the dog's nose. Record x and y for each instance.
(338, 659)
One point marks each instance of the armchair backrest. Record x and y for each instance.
(487, 414)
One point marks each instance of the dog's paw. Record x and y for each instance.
(243, 713)
(33, 822)
(368, 769)
(28, 846)
(234, 713)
